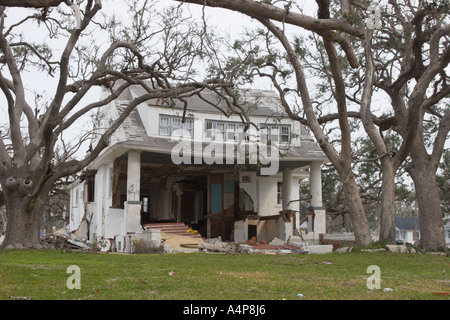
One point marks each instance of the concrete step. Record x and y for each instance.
(175, 228)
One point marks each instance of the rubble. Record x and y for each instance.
(344, 249)
(277, 242)
(224, 247)
(320, 248)
(397, 248)
(275, 246)
(60, 239)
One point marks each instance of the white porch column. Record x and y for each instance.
(133, 203)
(316, 198)
(287, 188)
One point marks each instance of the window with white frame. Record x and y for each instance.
(223, 130)
(280, 133)
(232, 131)
(173, 126)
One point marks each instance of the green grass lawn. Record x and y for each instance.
(203, 276)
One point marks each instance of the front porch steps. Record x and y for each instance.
(177, 228)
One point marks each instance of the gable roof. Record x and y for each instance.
(405, 223)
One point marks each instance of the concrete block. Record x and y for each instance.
(153, 235)
(277, 241)
(397, 248)
(295, 240)
(320, 248)
(373, 250)
(344, 249)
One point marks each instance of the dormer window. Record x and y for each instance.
(232, 131)
(174, 127)
(223, 130)
(275, 133)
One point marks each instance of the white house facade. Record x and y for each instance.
(407, 230)
(205, 172)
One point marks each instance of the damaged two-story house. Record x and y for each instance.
(206, 172)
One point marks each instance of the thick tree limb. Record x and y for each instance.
(366, 99)
(325, 27)
(440, 140)
(269, 11)
(304, 94)
(31, 3)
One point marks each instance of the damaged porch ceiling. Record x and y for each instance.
(150, 170)
(156, 165)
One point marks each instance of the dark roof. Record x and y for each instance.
(405, 223)
(255, 102)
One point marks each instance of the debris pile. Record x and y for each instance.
(216, 245)
(275, 246)
(67, 241)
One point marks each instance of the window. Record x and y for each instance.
(275, 133)
(173, 126)
(279, 192)
(285, 132)
(90, 181)
(233, 131)
(164, 125)
(209, 133)
(220, 131)
(225, 131)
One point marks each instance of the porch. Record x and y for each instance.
(145, 188)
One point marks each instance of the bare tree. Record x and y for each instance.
(143, 52)
(412, 55)
(406, 69)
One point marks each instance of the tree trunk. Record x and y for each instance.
(387, 220)
(24, 217)
(2, 222)
(431, 223)
(49, 221)
(357, 213)
(387, 217)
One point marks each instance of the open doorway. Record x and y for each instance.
(189, 203)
